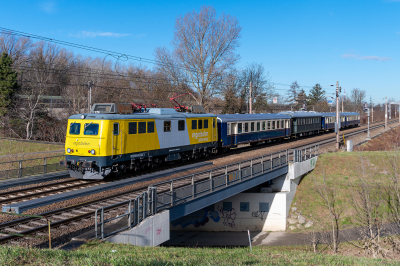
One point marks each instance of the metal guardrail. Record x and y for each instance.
(20, 171)
(138, 209)
(149, 202)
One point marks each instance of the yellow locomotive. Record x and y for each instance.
(114, 138)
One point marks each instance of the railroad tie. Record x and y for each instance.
(25, 226)
(12, 230)
(37, 223)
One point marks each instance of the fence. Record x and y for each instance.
(137, 210)
(29, 167)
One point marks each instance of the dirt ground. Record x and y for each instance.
(385, 141)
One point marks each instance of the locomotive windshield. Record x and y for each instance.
(91, 129)
(75, 128)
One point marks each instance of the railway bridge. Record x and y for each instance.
(254, 194)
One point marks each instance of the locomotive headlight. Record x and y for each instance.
(93, 152)
(82, 116)
(69, 150)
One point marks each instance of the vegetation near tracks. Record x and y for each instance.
(8, 147)
(112, 254)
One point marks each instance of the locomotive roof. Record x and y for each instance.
(161, 113)
(298, 114)
(250, 117)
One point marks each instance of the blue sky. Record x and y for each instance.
(353, 42)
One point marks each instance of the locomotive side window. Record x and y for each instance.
(132, 127)
(181, 125)
(240, 128)
(194, 124)
(116, 129)
(205, 123)
(167, 126)
(200, 124)
(150, 127)
(142, 127)
(91, 129)
(75, 129)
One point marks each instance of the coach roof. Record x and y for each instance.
(301, 114)
(250, 117)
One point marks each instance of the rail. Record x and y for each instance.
(43, 166)
(138, 209)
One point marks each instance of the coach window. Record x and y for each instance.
(252, 126)
(132, 127)
(181, 125)
(246, 127)
(142, 127)
(277, 124)
(228, 127)
(167, 126)
(200, 124)
(205, 123)
(282, 124)
(240, 128)
(273, 124)
(194, 124)
(263, 125)
(150, 127)
(75, 129)
(116, 129)
(269, 125)
(258, 126)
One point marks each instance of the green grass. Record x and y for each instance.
(113, 254)
(341, 170)
(8, 147)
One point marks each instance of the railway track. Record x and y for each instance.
(82, 215)
(24, 194)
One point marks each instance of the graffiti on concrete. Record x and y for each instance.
(197, 219)
(158, 231)
(258, 214)
(228, 216)
(148, 229)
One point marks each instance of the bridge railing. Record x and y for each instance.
(300, 155)
(137, 210)
(177, 191)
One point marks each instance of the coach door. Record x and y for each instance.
(233, 133)
(116, 141)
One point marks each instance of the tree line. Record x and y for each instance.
(41, 83)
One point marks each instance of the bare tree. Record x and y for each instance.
(204, 49)
(358, 98)
(16, 47)
(329, 192)
(292, 94)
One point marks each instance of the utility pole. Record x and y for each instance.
(250, 106)
(342, 101)
(386, 114)
(337, 115)
(89, 96)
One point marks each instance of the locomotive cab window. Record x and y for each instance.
(181, 125)
(194, 124)
(75, 129)
(205, 123)
(116, 129)
(167, 126)
(200, 124)
(142, 127)
(150, 127)
(132, 127)
(91, 129)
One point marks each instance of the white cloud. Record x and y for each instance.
(48, 6)
(92, 34)
(369, 57)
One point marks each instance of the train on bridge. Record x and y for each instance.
(114, 138)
